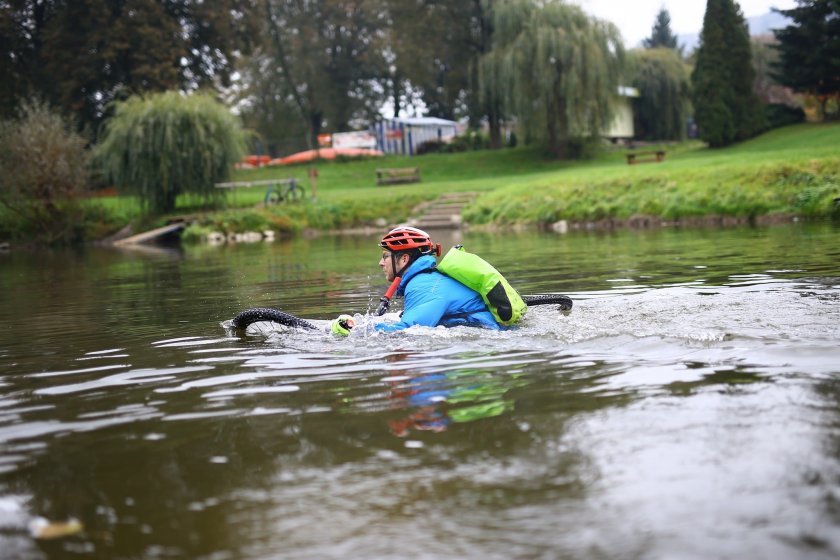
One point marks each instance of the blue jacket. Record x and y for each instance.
(432, 299)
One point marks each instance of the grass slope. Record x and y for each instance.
(794, 170)
(789, 171)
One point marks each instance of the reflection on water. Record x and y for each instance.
(686, 408)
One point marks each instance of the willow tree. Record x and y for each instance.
(557, 70)
(160, 146)
(664, 85)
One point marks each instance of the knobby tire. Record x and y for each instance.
(565, 302)
(250, 316)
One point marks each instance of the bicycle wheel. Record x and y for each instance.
(295, 193)
(565, 302)
(258, 314)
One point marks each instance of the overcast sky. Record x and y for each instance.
(635, 18)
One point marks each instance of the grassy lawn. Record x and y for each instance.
(794, 170)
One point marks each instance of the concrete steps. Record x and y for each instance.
(442, 213)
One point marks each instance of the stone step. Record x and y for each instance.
(437, 225)
(443, 212)
(447, 205)
(452, 201)
(440, 218)
(466, 195)
(458, 205)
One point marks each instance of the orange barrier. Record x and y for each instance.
(325, 153)
(255, 161)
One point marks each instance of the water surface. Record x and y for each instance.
(686, 408)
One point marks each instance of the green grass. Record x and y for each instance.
(793, 170)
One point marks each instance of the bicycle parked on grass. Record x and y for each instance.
(285, 190)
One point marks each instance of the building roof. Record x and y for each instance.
(627, 91)
(424, 121)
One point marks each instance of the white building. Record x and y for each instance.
(404, 135)
(622, 123)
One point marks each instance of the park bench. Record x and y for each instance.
(645, 157)
(277, 190)
(397, 175)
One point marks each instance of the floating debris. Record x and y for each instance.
(45, 529)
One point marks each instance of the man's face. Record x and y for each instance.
(386, 264)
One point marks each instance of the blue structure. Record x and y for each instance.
(403, 135)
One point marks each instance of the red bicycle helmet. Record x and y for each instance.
(406, 238)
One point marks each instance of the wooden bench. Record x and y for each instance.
(645, 157)
(397, 175)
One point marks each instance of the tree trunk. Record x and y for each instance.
(495, 126)
(315, 122)
(277, 40)
(169, 198)
(555, 147)
(397, 93)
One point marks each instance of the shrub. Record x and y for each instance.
(779, 115)
(195, 233)
(43, 171)
(472, 140)
(247, 221)
(430, 147)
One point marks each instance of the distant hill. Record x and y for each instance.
(759, 25)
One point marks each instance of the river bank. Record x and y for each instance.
(785, 174)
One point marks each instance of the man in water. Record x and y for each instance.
(431, 297)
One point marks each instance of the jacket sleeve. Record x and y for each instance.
(423, 306)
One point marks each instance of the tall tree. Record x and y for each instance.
(660, 34)
(328, 55)
(663, 81)
(557, 70)
(726, 108)
(445, 69)
(485, 101)
(766, 86)
(268, 108)
(439, 68)
(83, 54)
(809, 50)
